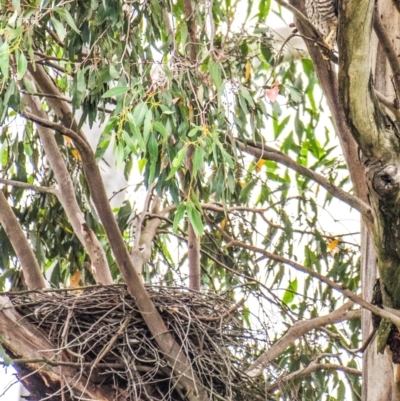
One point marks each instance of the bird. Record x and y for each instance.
(323, 14)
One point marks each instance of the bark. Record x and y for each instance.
(30, 268)
(66, 196)
(376, 387)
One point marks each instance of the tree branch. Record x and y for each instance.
(312, 367)
(265, 152)
(144, 236)
(337, 287)
(25, 185)
(296, 331)
(30, 267)
(67, 197)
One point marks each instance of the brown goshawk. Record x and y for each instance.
(323, 14)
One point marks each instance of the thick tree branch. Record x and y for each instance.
(144, 236)
(30, 268)
(296, 331)
(19, 184)
(187, 379)
(67, 198)
(268, 153)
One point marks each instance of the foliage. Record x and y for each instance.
(174, 121)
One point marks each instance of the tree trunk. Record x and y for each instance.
(378, 387)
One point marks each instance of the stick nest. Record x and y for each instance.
(101, 328)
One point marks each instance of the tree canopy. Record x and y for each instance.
(228, 152)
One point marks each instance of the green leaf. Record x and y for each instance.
(227, 157)
(158, 126)
(116, 91)
(194, 218)
(215, 73)
(198, 157)
(194, 131)
(139, 112)
(147, 125)
(22, 65)
(177, 162)
(4, 60)
(129, 142)
(136, 133)
(59, 27)
(153, 148)
(263, 9)
(290, 292)
(178, 216)
(64, 13)
(246, 94)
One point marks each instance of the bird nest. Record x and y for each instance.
(101, 328)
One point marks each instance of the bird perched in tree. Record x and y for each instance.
(323, 14)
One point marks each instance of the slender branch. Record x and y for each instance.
(296, 331)
(329, 83)
(19, 184)
(311, 368)
(268, 153)
(30, 267)
(141, 252)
